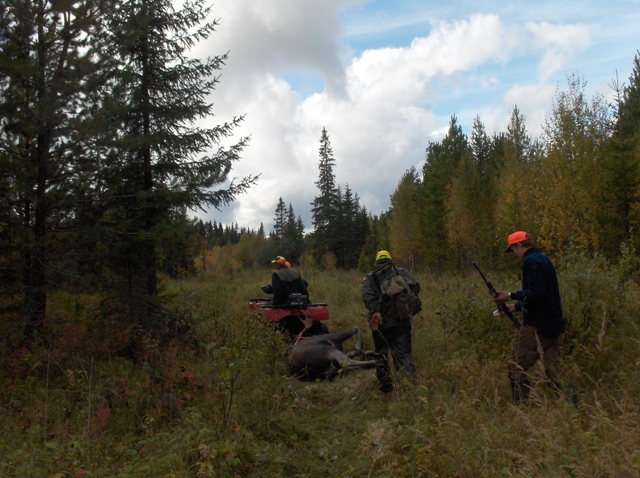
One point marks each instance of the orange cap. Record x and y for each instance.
(515, 238)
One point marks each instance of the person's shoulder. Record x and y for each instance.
(368, 278)
(535, 255)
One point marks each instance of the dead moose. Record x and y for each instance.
(322, 356)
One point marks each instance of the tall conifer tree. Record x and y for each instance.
(325, 206)
(405, 221)
(517, 157)
(621, 217)
(46, 57)
(442, 161)
(157, 159)
(280, 219)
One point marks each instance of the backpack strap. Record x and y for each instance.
(374, 276)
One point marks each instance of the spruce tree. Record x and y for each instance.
(621, 216)
(280, 219)
(156, 160)
(325, 206)
(441, 164)
(293, 239)
(516, 156)
(352, 238)
(46, 58)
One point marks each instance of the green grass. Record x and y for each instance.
(219, 402)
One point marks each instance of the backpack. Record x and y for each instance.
(404, 302)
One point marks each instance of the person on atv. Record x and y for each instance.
(289, 289)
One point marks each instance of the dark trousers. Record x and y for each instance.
(396, 340)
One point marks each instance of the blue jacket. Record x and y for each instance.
(539, 299)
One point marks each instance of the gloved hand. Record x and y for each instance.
(267, 289)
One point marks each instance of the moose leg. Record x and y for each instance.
(357, 350)
(351, 364)
(347, 363)
(338, 337)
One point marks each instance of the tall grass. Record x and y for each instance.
(218, 401)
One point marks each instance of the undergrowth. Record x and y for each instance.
(210, 396)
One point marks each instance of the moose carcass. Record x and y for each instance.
(323, 357)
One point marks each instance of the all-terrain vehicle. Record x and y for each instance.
(288, 317)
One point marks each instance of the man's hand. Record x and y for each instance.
(510, 307)
(307, 321)
(376, 321)
(501, 297)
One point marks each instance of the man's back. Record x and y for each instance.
(285, 282)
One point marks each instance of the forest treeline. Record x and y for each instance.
(103, 166)
(576, 187)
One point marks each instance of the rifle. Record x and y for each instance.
(494, 293)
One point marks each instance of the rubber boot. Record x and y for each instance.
(384, 375)
(520, 391)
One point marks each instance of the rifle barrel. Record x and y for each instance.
(494, 293)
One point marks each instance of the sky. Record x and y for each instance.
(384, 78)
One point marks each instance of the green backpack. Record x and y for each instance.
(404, 302)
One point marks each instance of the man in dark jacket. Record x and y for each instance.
(542, 319)
(286, 281)
(390, 332)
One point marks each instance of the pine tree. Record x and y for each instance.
(325, 206)
(156, 160)
(472, 200)
(280, 219)
(441, 164)
(293, 239)
(354, 226)
(46, 59)
(621, 215)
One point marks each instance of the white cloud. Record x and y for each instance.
(380, 108)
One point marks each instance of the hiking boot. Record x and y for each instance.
(520, 391)
(386, 387)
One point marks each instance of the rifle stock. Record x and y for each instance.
(494, 293)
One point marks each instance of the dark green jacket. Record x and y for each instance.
(371, 297)
(286, 281)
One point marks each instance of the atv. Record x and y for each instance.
(289, 317)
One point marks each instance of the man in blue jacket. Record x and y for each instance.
(542, 319)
